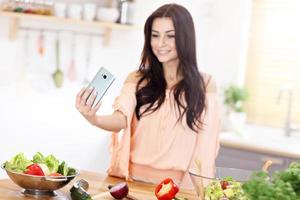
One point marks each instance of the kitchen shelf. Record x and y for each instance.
(15, 19)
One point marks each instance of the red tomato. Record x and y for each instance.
(224, 184)
(34, 169)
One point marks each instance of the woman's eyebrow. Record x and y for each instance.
(165, 31)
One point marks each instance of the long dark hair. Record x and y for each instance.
(191, 87)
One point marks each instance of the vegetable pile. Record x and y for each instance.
(40, 165)
(283, 185)
(226, 189)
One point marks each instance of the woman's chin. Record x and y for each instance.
(163, 59)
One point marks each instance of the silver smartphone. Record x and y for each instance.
(101, 82)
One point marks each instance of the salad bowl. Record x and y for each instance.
(39, 186)
(225, 184)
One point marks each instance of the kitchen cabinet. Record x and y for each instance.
(251, 160)
(98, 184)
(16, 18)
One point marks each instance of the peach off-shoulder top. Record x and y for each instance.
(158, 146)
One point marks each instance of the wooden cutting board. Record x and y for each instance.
(98, 183)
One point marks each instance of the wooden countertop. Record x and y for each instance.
(98, 183)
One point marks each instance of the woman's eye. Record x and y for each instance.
(154, 35)
(171, 36)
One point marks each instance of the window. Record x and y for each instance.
(273, 62)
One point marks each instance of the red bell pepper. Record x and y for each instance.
(166, 190)
(34, 169)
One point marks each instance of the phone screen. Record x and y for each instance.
(101, 82)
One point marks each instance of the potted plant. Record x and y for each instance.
(234, 99)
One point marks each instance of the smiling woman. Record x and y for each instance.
(168, 110)
(163, 41)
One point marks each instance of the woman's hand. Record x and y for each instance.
(84, 101)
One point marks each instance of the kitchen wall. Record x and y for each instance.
(35, 116)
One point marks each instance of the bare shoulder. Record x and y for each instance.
(209, 83)
(133, 77)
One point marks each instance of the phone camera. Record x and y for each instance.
(104, 76)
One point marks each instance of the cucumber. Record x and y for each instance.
(63, 168)
(79, 194)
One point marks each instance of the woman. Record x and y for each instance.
(167, 109)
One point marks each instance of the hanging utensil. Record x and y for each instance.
(88, 58)
(72, 69)
(40, 43)
(58, 74)
(25, 56)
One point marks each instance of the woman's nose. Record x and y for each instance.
(161, 41)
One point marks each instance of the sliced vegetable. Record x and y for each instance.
(119, 191)
(71, 172)
(34, 169)
(78, 193)
(166, 190)
(44, 168)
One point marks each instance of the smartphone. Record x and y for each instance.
(101, 82)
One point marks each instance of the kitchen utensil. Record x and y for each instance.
(199, 186)
(40, 43)
(39, 186)
(72, 68)
(88, 59)
(58, 74)
(123, 9)
(25, 57)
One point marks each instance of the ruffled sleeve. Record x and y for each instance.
(207, 144)
(120, 141)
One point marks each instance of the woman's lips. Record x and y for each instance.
(163, 52)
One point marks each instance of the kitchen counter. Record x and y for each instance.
(263, 140)
(98, 183)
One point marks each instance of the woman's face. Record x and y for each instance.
(163, 40)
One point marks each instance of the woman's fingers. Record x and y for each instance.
(85, 96)
(96, 108)
(78, 97)
(91, 99)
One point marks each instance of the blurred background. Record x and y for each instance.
(51, 49)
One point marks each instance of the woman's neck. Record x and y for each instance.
(170, 73)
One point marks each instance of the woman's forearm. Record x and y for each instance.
(114, 122)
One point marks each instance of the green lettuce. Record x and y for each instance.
(18, 163)
(52, 163)
(39, 158)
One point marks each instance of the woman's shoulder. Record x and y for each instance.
(209, 82)
(134, 77)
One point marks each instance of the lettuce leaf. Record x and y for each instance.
(52, 163)
(18, 163)
(39, 158)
